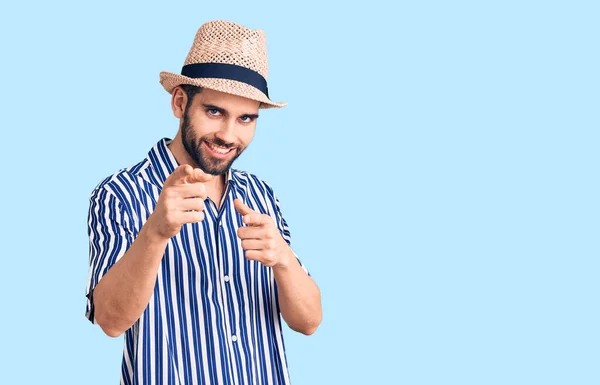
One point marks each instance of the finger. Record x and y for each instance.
(179, 176)
(254, 244)
(241, 207)
(196, 204)
(254, 255)
(250, 232)
(196, 190)
(186, 174)
(199, 176)
(256, 219)
(260, 256)
(191, 216)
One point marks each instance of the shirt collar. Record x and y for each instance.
(164, 162)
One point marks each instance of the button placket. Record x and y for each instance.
(226, 278)
(222, 252)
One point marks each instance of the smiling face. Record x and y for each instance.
(216, 128)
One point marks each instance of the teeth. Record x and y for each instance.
(219, 149)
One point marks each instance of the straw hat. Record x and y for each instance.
(226, 57)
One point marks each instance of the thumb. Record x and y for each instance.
(241, 207)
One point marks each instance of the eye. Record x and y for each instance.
(213, 112)
(246, 119)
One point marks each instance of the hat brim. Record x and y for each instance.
(171, 80)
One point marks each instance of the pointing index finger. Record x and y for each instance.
(241, 207)
(186, 174)
(198, 176)
(180, 175)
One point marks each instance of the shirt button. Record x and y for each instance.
(226, 278)
(234, 338)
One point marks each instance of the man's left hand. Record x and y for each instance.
(261, 238)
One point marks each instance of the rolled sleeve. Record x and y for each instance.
(109, 239)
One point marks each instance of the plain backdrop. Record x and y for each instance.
(437, 165)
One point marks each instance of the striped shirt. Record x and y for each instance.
(214, 316)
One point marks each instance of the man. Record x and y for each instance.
(189, 257)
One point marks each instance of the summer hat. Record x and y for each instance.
(226, 57)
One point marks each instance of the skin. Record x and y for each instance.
(230, 121)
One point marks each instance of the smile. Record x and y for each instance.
(218, 151)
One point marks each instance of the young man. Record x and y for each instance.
(190, 258)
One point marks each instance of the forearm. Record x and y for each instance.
(124, 292)
(299, 296)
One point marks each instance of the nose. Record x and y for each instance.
(227, 131)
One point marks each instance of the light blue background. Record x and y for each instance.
(437, 164)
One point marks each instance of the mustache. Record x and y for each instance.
(220, 142)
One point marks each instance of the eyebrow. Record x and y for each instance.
(225, 112)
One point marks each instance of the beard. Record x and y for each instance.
(198, 152)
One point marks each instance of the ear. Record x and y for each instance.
(178, 101)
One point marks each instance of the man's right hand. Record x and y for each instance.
(181, 201)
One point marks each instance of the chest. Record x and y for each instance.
(206, 260)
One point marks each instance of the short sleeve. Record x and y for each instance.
(283, 226)
(109, 239)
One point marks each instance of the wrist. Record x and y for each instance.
(152, 230)
(286, 259)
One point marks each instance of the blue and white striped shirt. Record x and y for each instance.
(214, 315)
